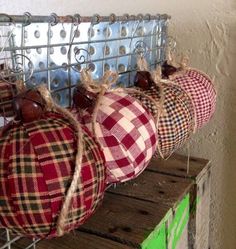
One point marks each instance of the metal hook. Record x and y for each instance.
(125, 18)
(112, 18)
(95, 19)
(28, 17)
(18, 69)
(83, 59)
(79, 58)
(140, 17)
(55, 19)
(147, 17)
(134, 31)
(19, 66)
(77, 19)
(141, 48)
(10, 18)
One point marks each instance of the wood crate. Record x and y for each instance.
(164, 208)
(200, 173)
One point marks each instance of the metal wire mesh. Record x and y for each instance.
(53, 50)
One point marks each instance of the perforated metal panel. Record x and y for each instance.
(55, 54)
(53, 50)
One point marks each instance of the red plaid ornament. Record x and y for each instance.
(37, 165)
(201, 90)
(127, 134)
(176, 122)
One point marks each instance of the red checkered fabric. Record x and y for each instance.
(176, 122)
(6, 96)
(127, 134)
(37, 165)
(201, 89)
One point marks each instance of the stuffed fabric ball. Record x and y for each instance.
(127, 134)
(37, 165)
(202, 92)
(176, 121)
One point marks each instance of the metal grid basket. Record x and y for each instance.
(53, 50)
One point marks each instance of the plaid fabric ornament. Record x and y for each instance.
(201, 90)
(126, 132)
(37, 165)
(176, 121)
(6, 96)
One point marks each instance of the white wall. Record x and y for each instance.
(207, 31)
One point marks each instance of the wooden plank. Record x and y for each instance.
(140, 205)
(126, 219)
(154, 187)
(75, 240)
(81, 241)
(176, 165)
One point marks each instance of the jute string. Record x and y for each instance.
(52, 106)
(142, 64)
(108, 80)
(156, 76)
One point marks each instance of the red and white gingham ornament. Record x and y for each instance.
(37, 166)
(127, 134)
(201, 90)
(176, 122)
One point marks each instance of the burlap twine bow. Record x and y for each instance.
(108, 84)
(52, 106)
(109, 79)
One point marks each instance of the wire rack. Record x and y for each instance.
(54, 49)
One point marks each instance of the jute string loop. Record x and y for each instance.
(156, 76)
(142, 63)
(109, 79)
(52, 106)
(182, 66)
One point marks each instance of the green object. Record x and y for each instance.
(157, 239)
(179, 222)
(168, 233)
